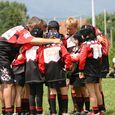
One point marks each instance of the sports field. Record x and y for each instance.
(109, 91)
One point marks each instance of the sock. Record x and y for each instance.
(64, 103)
(74, 101)
(39, 110)
(32, 109)
(3, 110)
(59, 103)
(104, 108)
(101, 107)
(8, 110)
(18, 110)
(95, 110)
(39, 98)
(13, 108)
(25, 105)
(87, 103)
(52, 102)
(80, 103)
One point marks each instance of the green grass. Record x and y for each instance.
(109, 92)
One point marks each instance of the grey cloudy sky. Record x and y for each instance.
(65, 8)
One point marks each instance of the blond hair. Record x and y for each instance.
(71, 21)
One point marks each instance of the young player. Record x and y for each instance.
(53, 31)
(105, 62)
(52, 59)
(89, 65)
(71, 25)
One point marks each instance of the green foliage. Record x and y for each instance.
(11, 14)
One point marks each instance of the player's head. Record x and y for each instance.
(53, 30)
(53, 25)
(88, 32)
(78, 37)
(37, 32)
(34, 22)
(71, 25)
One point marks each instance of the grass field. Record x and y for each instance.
(109, 92)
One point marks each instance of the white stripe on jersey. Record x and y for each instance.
(51, 54)
(31, 53)
(8, 34)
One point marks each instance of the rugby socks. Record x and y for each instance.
(104, 108)
(19, 110)
(9, 111)
(25, 105)
(101, 108)
(32, 110)
(39, 98)
(73, 95)
(3, 110)
(39, 110)
(95, 110)
(87, 103)
(52, 103)
(64, 99)
(59, 103)
(80, 103)
(13, 108)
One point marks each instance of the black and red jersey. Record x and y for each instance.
(17, 35)
(89, 58)
(69, 43)
(10, 42)
(52, 61)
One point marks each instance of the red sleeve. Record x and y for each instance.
(64, 42)
(40, 59)
(82, 57)
(67, 58)
(76, 59)
(24, 37)
(26, 47)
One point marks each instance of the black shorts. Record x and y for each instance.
(91, 79)
(6, 75)
(19, 79)
(76, 81)
(56, 84)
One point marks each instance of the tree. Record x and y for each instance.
(12, 14)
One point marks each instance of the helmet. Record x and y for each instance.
(53, 24)
(37, 32)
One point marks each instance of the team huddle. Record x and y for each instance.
(36, 53)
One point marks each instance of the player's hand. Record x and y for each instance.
(19, 57)
(57, 41)
(81, 75)
(67, 82)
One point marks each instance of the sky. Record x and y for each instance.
(65, 8)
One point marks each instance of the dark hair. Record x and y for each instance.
(37, 32)
(78, 36)
(53, 24)
(88, 32)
